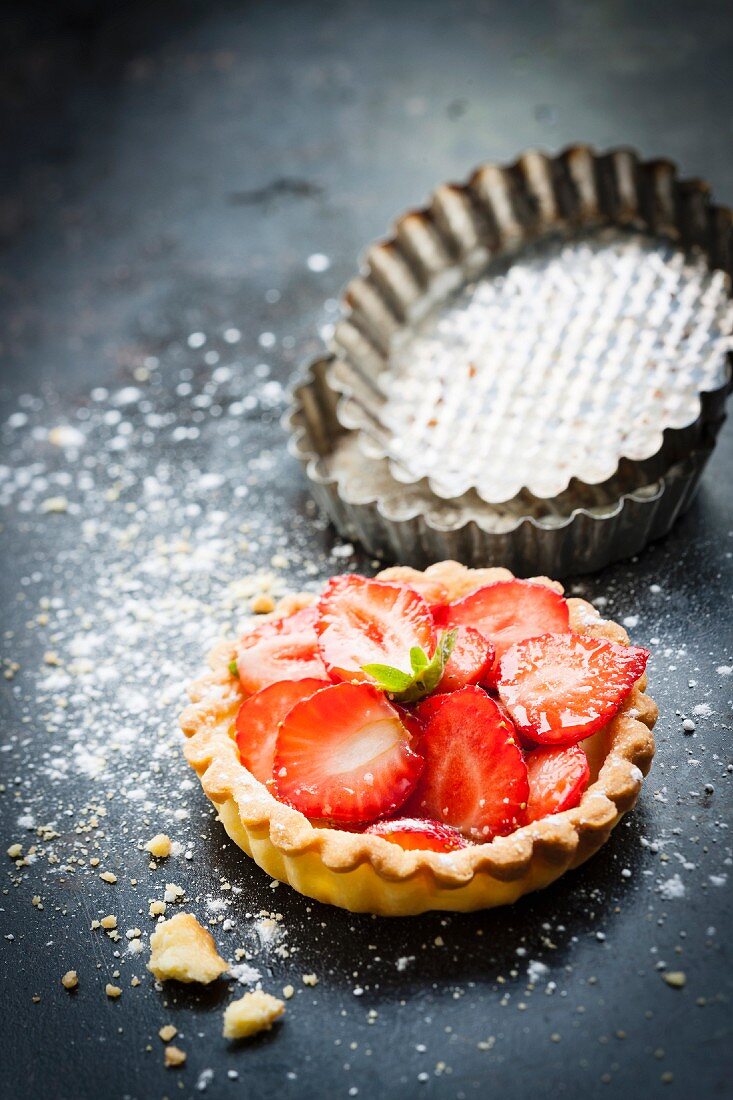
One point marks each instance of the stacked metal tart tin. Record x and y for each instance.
(531, 371)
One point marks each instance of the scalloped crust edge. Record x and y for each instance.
(365, 873)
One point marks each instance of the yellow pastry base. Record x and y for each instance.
(366, 873)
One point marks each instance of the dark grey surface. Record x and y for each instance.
(164, 166)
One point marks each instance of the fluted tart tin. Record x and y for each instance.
(409, 524)
(551, 328)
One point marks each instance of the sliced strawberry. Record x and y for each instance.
(362, 622)
(416, 717)
(416, 835)
(557, 779)
(426, 708)
(258, 720)
(410, 719)
(280, 649)
(344, 756)
(475, 778)
(508, 612)
(560, 688)
(432, 591)
(471, 659)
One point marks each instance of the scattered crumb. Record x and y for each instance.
(262, 605)
(112, 990)
(159, 846)
(173, 1057)
(168, 1032)
(310, 979)
(54, 504)
(109, 922)
(15, 851)
(288, 992)
(180, 948)
(676, 978)
(70, 979)
(108, 876)
(254, 1012)
(157, 908)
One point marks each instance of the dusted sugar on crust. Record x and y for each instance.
(363, 872)
(181, 949)
(252, 1013)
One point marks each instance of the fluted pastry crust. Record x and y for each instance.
(366, 873)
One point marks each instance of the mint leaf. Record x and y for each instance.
(391, 680)
(233, 670)
(418, 659)
(427, 672)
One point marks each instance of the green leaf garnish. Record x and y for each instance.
(418, 659)
(426, 672)
(233, 670)
(389, 679)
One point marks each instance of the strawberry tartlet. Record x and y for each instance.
(448, 739)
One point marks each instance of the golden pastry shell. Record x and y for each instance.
(365, 873)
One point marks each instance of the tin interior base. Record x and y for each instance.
(549, 367)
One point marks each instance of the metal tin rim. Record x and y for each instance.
(500, 208)
(530, 545)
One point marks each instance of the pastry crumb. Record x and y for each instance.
(677, 979)
(157, 908)
(159, 846)
(310, 979)
(288, 992)
(70, 980)
(112, 991)
(252, 1013)
(54, 505)
(181, 949)
(109, 921)
(167, 1032)
(108, 876)
(15, 851)
(173, 1056)
(262, 605)
(172, 892)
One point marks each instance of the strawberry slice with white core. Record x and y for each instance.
(557, 778)
(343, 756)
(258, 720)
(362, 622)
(280, 649)
(416, 835)
(561, 688)
(475, 778)
(508, 612)
(471, 659)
